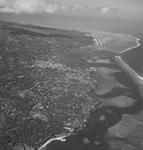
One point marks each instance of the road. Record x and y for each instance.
(97, 41)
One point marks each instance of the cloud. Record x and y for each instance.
(105, 10)
(27, 6)
(51, 6)
(39, 6)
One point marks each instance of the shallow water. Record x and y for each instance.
(104, 116)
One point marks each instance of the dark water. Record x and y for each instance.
(83, 23)
(135, 59)
(96, 128)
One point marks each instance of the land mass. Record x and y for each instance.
(49, 87)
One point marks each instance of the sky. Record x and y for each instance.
(124, 7)
(37, 11)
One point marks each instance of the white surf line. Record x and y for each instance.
(137, 42)
(137, 78)
(53, 139)
(98, 43)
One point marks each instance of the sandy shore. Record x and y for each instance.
(100, 44)
(137, 45)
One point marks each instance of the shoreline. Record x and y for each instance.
(61, 138)
(138, 45)
(138, 80)
(98, 43)
(135, 77)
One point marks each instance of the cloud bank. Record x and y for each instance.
(27, 6)
(38, 6)
(49, 6)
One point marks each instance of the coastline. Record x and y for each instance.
(99, 43)
(135, 77)
(61, 138)
(138, 45)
